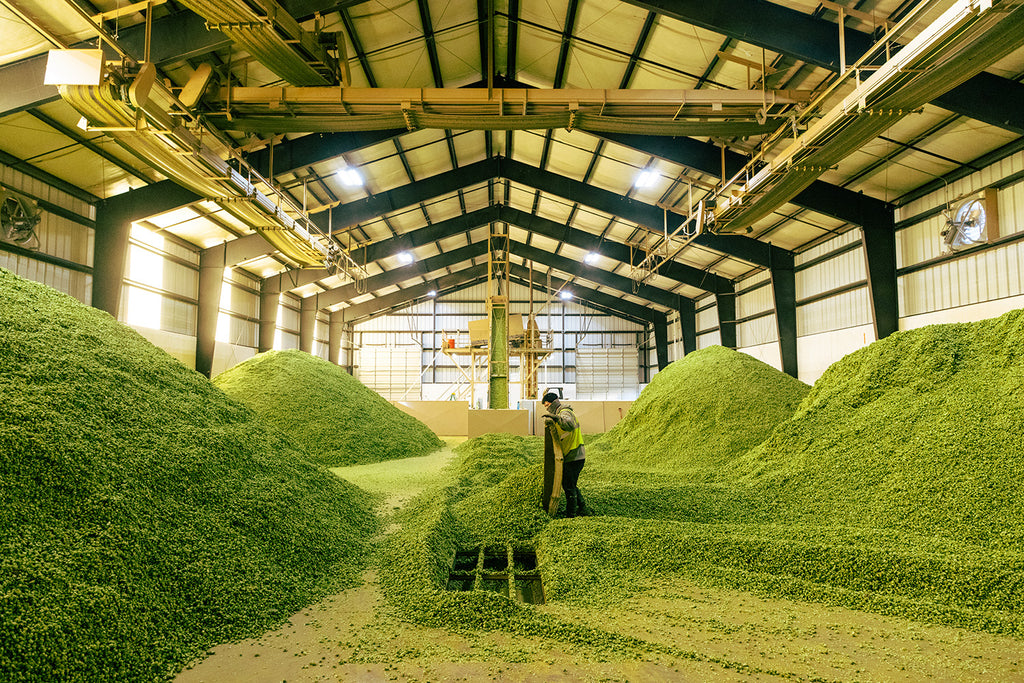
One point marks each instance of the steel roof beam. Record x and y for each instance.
(673, 270)
(309, 150)
(815, 40)
(687, 275)
(606, 301)
(404, 298)
(602, 277)
(745, 248)
(705, 157)
(418, 268)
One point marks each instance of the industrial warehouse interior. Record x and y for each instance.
(311, 311)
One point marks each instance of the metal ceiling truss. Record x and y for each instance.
(652, 217)
(686, 275)
(655, 112)
(419, 268)
(474, 275)
(411, 296)
(705, 157)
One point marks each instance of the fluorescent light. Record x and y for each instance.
(350, 177)
(591, 258)
(565, 294)
(432, 292)
(405, 258)
(645, 179)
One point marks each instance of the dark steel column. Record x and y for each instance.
(878, 236)
(726, 303)
(211, 281)
(113, 226)
(688, 324)
(270, 298)
(307, 322)
(661, 339)
(784, 289)
(114, 217)
(335, 331)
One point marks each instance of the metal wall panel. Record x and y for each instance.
(475, 293)
(607, 374)
(971, 279)
(18, 181)
(393, 372)
(707, 319)
(709, 339)
(236, 299)
(836, 272)
(920, 242)
(839, 241)
(964, 186)
(758, 301)
(849, 309)
(288, 313)
(763, 330)
(70, 282)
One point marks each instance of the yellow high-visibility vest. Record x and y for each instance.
(570, 440)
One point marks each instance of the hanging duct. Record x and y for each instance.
(142, 115)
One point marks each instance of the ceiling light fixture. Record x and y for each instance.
(432, 293)
(350, 177)
(405, 258)
(645, 179)
(591, 258)
(565, 294)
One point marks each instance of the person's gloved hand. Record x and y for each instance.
(548, 418)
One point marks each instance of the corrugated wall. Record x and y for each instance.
(58, 236)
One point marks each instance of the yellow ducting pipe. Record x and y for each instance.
(152, 126)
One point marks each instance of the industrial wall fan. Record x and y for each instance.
(971, 221)
(19, 217)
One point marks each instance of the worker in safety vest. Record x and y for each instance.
(571, 437)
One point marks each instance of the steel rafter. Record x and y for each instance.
(396, 276)
(745, 248)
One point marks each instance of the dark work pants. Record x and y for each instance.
(570, 475)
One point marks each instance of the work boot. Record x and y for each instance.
(570, 503)
(581, 507)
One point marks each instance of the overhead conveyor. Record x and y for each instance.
(965, 39)
(273, 37)
(145, 118)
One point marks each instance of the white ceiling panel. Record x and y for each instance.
(458, 53)
(537, 56)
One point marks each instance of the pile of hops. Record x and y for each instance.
(147, 516)
(920, 431)
(324, 410)
(700, 413)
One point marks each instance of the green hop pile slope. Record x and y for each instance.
(333, 416)
(921, 431)
(146, 516)
(701, 412)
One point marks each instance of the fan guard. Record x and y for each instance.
(19, 217)
(965, 226)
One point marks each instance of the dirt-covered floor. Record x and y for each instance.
(728, 635)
